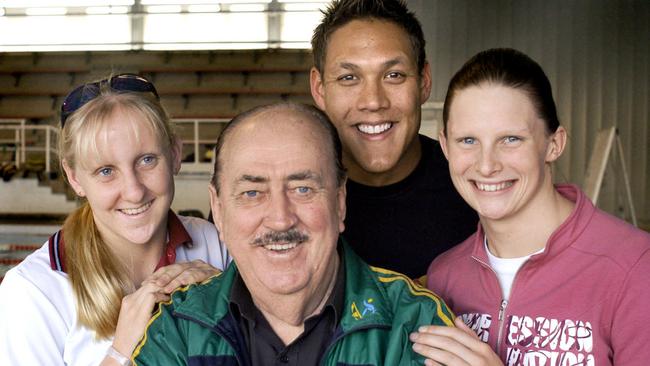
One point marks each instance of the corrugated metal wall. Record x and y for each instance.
(597, 55)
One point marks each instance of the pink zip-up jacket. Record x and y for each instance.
(585, 300)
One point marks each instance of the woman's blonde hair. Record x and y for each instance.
(98, 277)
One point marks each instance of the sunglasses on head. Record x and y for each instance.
(87, 92)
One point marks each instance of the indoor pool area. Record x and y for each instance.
(18, 241)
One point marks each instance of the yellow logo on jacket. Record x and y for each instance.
(368, 308)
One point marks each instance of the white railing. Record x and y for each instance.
(5, 143)
(19, 144)
(199, 144)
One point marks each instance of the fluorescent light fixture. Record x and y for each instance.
(46, 11)
(296, 45)
(62, 3)
(180, 2)
(163, 9)
(59, 47)
(2, 11)
(98, 10)
(242, 8)
(119, 9)
(103, 10)
(304, 6)
(245, 1)
(204, 46)
(204, 8)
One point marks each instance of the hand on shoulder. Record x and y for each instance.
(175, 275)
(453, 346)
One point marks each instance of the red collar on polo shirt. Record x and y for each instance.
(176, 235)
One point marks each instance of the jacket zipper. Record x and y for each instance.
(504, 302)
(325, 354)
(216, 331)
(502, 306)
(343, 334)
(502, 310)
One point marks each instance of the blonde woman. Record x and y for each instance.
(84, 298)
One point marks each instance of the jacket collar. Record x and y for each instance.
(365, 303)
(563, 236)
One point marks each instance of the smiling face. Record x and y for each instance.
(279, 208)
(499, 151)
(372, 91)
(128, 180)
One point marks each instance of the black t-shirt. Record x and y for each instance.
(404, 226)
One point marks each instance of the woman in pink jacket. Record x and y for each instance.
(548, 279)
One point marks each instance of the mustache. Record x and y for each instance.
(273, 237)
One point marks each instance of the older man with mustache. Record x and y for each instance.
(297, 294)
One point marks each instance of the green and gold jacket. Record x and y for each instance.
(381, 309)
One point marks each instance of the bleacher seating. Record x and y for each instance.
(196, 84)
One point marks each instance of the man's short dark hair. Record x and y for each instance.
(315, 114)
(341, 12)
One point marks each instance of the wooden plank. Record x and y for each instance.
(598, 162)
(626, 180)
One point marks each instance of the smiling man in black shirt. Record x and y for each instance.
(371, 77)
